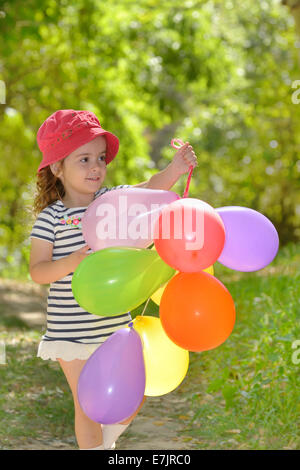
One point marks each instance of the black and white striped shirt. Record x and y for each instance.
(66, 320)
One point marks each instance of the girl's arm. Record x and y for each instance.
(164, 179)
(180, 165)
(41, 267)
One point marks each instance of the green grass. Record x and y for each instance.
(241, 395)
(34, 398)
(245, 393)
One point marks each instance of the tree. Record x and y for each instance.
(215, 73)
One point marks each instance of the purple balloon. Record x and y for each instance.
(251, 240)
(111, 385)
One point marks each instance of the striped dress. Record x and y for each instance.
(72, 333)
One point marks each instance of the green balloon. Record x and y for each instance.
(115, 280)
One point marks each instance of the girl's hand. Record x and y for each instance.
(77, 256)
(184, 158)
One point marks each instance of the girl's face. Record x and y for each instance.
(84, 170)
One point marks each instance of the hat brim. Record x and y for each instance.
(77, 140)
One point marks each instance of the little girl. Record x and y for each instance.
(76, 151)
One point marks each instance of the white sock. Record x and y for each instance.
(111, 432)
(101, 447)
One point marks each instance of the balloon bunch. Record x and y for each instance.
(196, 311)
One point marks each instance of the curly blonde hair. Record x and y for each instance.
(49, 188)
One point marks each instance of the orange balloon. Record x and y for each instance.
(197, 312)
(189, 235)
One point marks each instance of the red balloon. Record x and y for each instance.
(189, 235)
(197, 312)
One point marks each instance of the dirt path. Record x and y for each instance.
(162, 421)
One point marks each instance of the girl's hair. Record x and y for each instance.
(49, 188)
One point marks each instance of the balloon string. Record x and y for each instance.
(145, 307)
(186, 191)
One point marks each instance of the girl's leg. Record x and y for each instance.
(111, 432)
(88, 433)
(128, 420)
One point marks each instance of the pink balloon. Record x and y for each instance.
(124, 217)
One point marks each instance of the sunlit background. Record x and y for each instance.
(216, 73)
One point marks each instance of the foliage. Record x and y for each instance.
(217, 73)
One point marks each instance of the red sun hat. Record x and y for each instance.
(66, 130)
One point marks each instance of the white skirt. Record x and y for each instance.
(66, 350)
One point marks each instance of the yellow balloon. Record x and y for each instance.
(166, 364)
(156, 297)
(209, 270)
